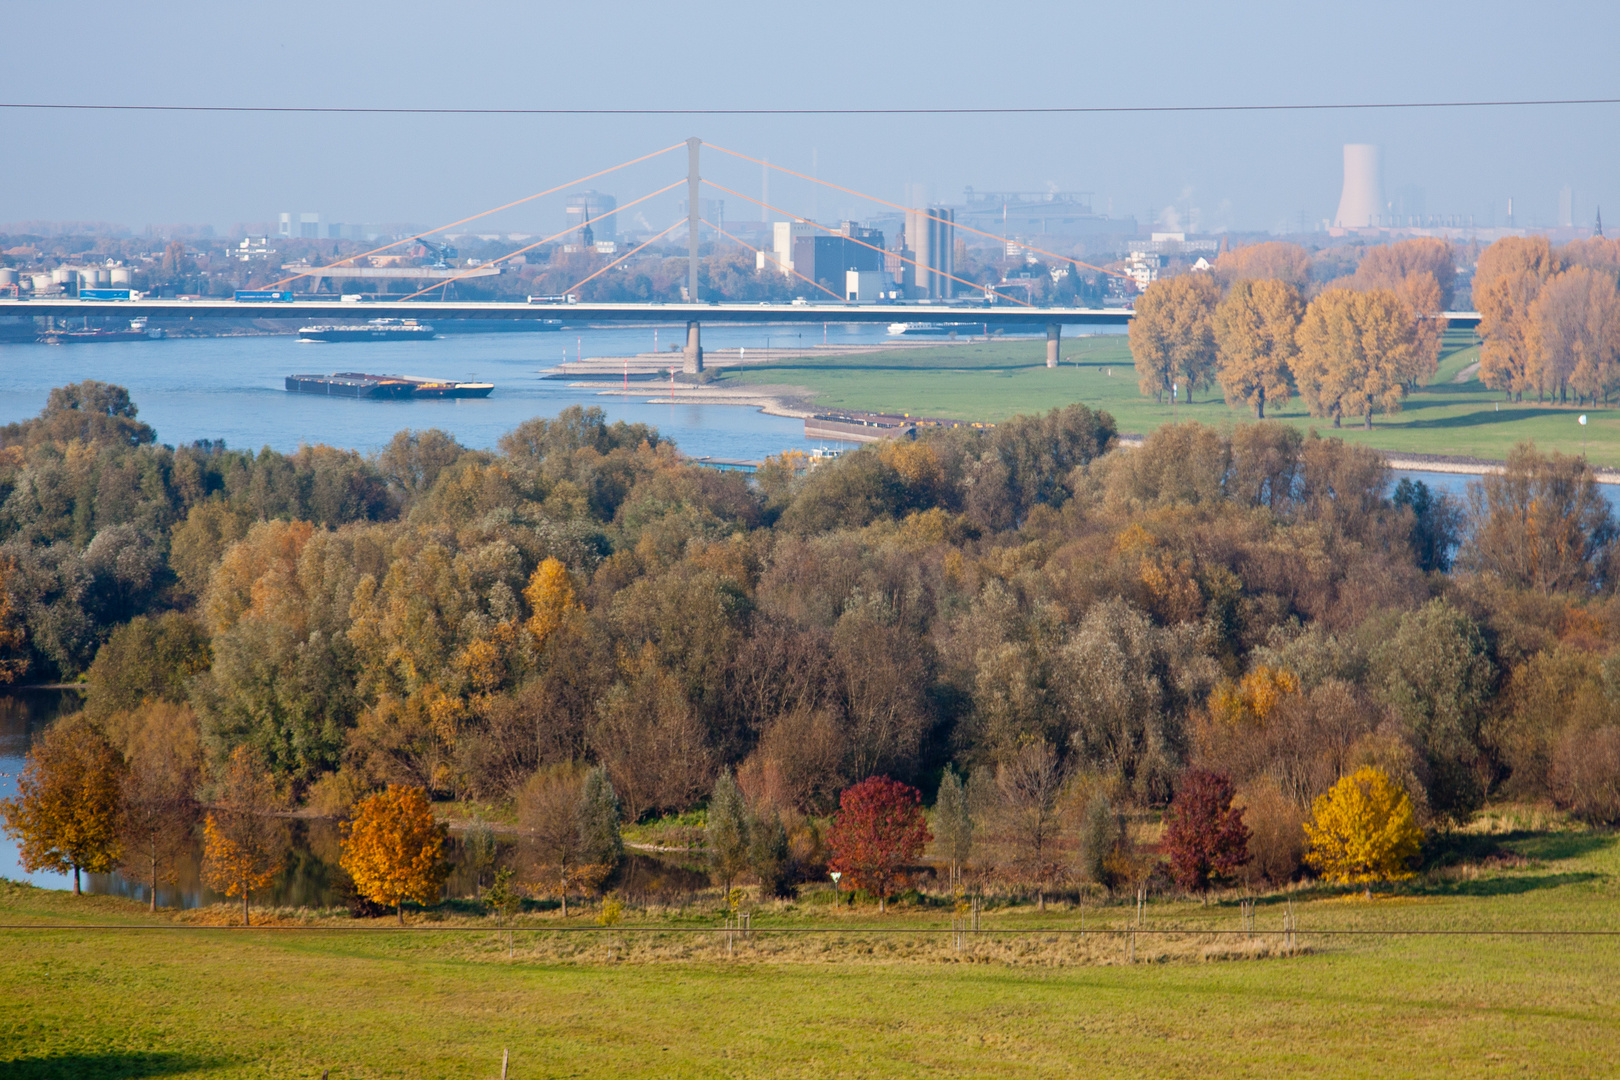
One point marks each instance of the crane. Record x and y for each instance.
(442, 253)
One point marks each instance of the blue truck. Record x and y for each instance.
(103, 294)
(262, 296)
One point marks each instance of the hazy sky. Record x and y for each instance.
(1254, 171)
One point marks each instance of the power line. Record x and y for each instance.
(1052, 110)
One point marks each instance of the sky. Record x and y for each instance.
(1214, 171)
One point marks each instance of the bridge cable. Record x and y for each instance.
(543, 240)
(486, 213)
(898, 206)
(625, 256)
(773, 259)
(970, 284)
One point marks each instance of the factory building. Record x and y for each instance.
(930, 244)
(827, 259)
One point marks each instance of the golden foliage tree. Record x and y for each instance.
(394, 849)
(1575, 334)
(1356, 354)
(1363, 830)
(244, 841)
(1274, 260)
(67, 811)
(1507, 280)
(1172, 334)
(1251, 700)
(550, 596)
(1420, 272)
(162, 747)
(1255, 328)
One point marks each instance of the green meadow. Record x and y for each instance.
(360, 1000)
(991, 381)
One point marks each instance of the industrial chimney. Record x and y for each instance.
(1361, 204)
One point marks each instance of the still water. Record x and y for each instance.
(232, 389)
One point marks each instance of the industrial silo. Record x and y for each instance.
(8, 276)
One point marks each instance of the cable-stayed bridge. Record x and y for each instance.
(950, 299)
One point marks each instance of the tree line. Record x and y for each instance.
(1019, 606)
(1258, 327)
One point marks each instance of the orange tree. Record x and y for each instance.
(244, 842)
(68, 812)
(1363, 830)
(879, 829)
(394, 849)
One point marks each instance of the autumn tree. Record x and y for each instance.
(569, 819)
(1420, 272)
(953, 824)
(1363, 830)
(394, 850)
(1541, 523)
(1254, 333)
(1172, 335)
(550, 595)
(1507, 280)
(1575, 333)
(1204, 833)
(878, 830)
(67, 813)
(244, 841)
(727, 832)
(1274, 260)
(770, 855)
(1355, 354)
(13, 637)
(1027, 819)
(159, 791)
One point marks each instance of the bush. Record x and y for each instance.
(1586, 773)
(1276, 832)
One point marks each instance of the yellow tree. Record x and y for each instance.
(1274, 260)
(244, 842)
(1355, 354)
(67, 812)
(1575, 332)
(550, 595)
(394, 849)
(1172, 334)
(1363, 830)
(1254, 331)
(1507, 280)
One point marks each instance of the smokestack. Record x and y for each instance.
(1361, 204)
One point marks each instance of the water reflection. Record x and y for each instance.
(311, 876)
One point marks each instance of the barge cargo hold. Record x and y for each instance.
(375, 330)
(359, 384)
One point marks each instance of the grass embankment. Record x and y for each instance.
(291, 1003)
(992, 381)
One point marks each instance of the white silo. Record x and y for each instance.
(1361, 204)
(62, 275)
(8, 276)
(42, 281)
(121, 275)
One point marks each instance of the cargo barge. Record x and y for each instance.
(138, 331)
(375, 330)
(358, 384)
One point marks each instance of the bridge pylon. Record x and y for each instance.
(692, 356)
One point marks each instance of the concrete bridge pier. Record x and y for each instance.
(692, 357)
(1054, 337)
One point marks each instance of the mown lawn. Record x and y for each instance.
(291, 1003)
(995, 380)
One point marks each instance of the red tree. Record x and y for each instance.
(1204, 835)
(879, 829)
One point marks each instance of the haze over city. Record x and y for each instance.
(1205, 172)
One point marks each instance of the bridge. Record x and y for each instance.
(927, 259)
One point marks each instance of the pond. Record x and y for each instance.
(310, 876)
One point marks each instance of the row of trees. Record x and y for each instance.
(1356, 349)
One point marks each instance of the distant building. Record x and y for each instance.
(827, 259)
(593, 207)
(929, 253)
(1044, 213)
(1143, 267)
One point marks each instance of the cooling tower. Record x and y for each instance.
(1362, 202)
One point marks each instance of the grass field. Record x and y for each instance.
(291, 1003)
(994, 380)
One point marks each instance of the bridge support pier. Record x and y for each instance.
(1054, 338)
(692, 357)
